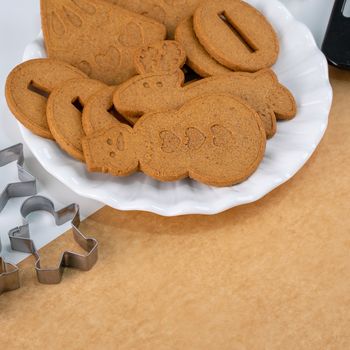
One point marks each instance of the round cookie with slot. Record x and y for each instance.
(236, 34)
(99, 112)
(64, 113)
(28, 87)
(197, 57)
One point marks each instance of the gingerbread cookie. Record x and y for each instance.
(161, 57)
(160, 92)
(214, 139)
(165, 56)
(197, 58)
(28, 87)
(236, 34)
(169, 12)
(64, 113)
(96, 36)
(100, 113)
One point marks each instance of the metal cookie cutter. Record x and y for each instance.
(27, 186)
(9, 275)
(21, 241)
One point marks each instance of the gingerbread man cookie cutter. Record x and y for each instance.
(21, 241)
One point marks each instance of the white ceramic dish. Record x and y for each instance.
(301, 67)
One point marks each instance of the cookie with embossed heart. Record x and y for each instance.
(215, 139)
(96, 36)
(169, 12)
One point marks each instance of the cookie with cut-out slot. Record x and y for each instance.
(164, 56)
(236, 34)
(154, 92)
(215, 139)
(169, 12)
(98, 37)
(64, 113)
(28, 87)
(197, 57)
(99, 112)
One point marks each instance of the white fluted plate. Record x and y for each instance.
(301, 67)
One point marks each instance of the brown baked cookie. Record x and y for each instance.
(64, 113)
(99, 112)
(165, 56)
(113, 150)
(214, 139)
(160, 92)
(96, 36)
(197, 58)
(169, 12)
(28, 87)
(236, 34)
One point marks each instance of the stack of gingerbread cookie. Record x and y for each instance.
(113, 94)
